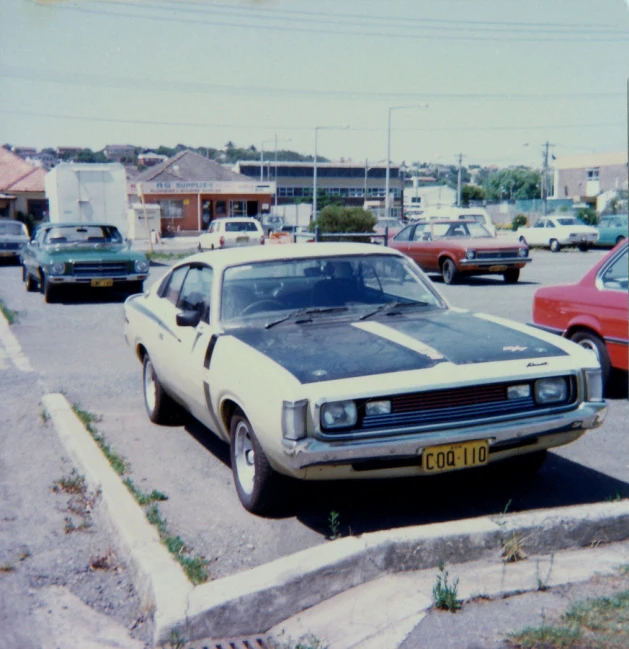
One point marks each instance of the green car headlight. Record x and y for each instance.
(338, 414)
(58, 268)
(141, 265)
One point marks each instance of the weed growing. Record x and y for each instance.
(305, 642)
(444, 595)
(597, 623)
(542, 582)
(45, 417)
(194, 567)
(167, 256)
(11, 316)
(513, 548)
(334, 523)
(79, 505)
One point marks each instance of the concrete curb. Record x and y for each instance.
(161, 584)
(260, 598)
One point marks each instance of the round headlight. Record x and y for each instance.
(141, 265)
(470, 254)
(57, 268)
(523, 252)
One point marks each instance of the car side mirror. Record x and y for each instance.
(188, 318)
(33, 243)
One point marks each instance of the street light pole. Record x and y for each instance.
(287, 139)
(262, 158)
(314, 170)
(387, 211)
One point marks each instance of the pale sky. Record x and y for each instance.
(500, 77)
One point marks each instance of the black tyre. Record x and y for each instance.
(256, 481)
(619, 239)
(590, 340)
(50, 291)
(554, 245)
(584, 247)
(29, 283)
(449, 271)
(512, 275)
(160, 408)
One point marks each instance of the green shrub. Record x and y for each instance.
(519, 221)
(336, 218)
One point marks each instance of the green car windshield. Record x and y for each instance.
(82, 234)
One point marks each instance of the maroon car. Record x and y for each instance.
(457, 248)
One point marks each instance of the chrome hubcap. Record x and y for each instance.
(244, 456)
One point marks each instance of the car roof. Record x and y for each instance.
(75, 224)
(239, 219)
(224, 257)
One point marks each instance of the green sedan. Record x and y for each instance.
(62, 255)
(611, 230)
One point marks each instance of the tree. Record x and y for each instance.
(472, 193)
(513, 184)
(336, 218)
(588, 215)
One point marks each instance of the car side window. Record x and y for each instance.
(615, 277)
(539, 224)
(405, 234)
(174, 284)
(196, 291)
(419, 233)
(550, 224)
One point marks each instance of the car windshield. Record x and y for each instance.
(263, 293)
(11, 228)
(240, 226)
(568, 220)
(82, 234)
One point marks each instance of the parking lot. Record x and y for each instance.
(77, 347)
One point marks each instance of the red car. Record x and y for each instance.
(594, 312)
(455, 248)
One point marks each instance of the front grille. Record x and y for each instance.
(451, 406)
(9, 246)
(497, 254)
(100, 269)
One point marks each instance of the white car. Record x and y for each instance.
(342, 361)
(232, 232)
(13, 237)
(556, 232)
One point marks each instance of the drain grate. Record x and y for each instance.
(251, 642)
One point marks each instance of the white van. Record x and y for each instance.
(470, 213)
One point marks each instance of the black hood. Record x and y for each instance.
(339, 349)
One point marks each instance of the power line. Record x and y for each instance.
(74, 79)
(305, 128)
(552, 38)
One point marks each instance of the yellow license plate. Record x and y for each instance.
(7, 254)
(436, 459)
(103, 282)
(497, 269)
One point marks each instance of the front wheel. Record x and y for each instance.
(554, 245)
(591, 341)
(449, 271)
(512, 275)
(255, 479)
(50, 291)
(29, 283)
(584, 247)
(160, 408)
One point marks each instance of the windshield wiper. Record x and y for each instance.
(306, 312)
(390, 307)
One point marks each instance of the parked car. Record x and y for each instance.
(271, 223)
(592, 312)
(231, 232)
(612, 229)
(65, 255)
(298, 233)
(13, 237)
(342, 361)
(556, 232)
(457, 248)
(439, 213)
(392, 227)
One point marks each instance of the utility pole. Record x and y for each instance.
(458, 183)
(544, 190)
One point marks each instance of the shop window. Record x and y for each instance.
(171, 209)
(237, 208)
(220, 209)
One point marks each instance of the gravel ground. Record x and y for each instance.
(38, 552)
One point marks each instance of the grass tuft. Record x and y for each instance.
(334, 523)
(141, 497)
(444, 595)
(11, 316)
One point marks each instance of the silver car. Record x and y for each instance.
(13, 237)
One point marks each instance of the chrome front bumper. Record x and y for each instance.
(563, 428)
(71, 279)
(486, 263)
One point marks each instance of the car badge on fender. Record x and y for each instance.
(513, 348)
(537, 364)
